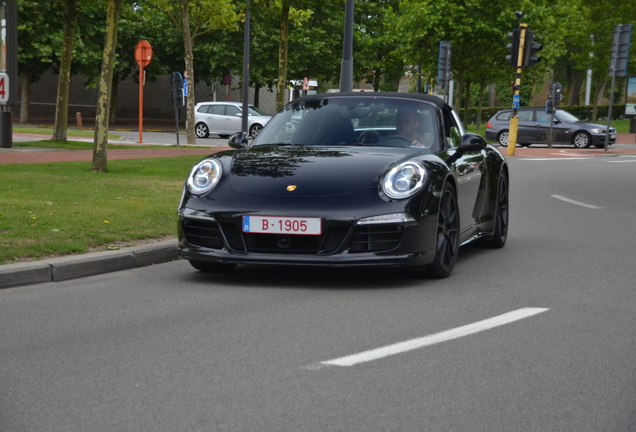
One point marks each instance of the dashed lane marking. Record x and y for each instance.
(402, 347)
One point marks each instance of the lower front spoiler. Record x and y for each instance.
(340, 260)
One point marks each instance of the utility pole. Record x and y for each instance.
(523, 52)
(346, 69)
(520, 33)
(246, 69)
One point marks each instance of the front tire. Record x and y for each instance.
(500, 232)
(581, 140)
(202, 131)
(210, 267)
(447, 241)
(502, 138)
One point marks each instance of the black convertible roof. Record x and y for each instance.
(416, 96)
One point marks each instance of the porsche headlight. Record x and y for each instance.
(204, 176)
(404, 180)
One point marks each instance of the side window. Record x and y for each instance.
(217, 109)
(504, 115)
(543, 117)
(204, 108)
(525, 115)
(232, 110)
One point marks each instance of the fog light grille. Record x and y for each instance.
(202, 233)
(375, 238)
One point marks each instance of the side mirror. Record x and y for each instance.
(470, 142)
(238, 140)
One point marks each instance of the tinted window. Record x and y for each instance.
(504, 115)
(252, 110)
(232, 110)
(543, 117)
(525, 115)
(217, 109)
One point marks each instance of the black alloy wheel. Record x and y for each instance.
(210, 267)
(500, 231)
(447, 241)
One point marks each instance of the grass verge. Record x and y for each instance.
(49, 131)
(64, 208)
(78, 145)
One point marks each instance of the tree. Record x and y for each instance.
(40, 38)
(61, 106)
(194, 18)
(100, 162)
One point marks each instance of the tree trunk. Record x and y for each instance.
(600, 85)
(281, 87)
(574, 96)
(100, 146)
(458, 91)
(61, 107)
(25, 95)
(112, 118)
(189, 66)
(467, 104)
(257, 99)
(482, 87)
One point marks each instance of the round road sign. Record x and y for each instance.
(143, 53)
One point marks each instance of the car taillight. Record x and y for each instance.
(488, 125)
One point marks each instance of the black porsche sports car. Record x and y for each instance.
(347, 179)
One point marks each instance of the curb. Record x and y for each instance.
(79, 266)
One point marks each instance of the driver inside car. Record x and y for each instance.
(408, 123)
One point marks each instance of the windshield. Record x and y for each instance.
(566, 117)
(340, 121)
(252, 110)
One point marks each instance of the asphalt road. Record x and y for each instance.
(167, 348)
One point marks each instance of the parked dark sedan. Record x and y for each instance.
(361, 179)
(534, 128)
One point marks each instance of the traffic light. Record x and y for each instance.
(530, 50)
(513, 47)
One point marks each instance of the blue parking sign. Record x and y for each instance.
(515, 101)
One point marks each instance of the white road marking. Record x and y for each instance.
(571, 201)
(621, 161)
(413, 344)
(554, 159)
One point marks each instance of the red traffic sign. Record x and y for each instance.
(228, 79)
(143, 53)
(306, 84)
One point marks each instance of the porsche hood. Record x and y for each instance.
(310, 171)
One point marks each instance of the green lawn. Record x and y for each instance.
(49, 131)
(64, 208)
